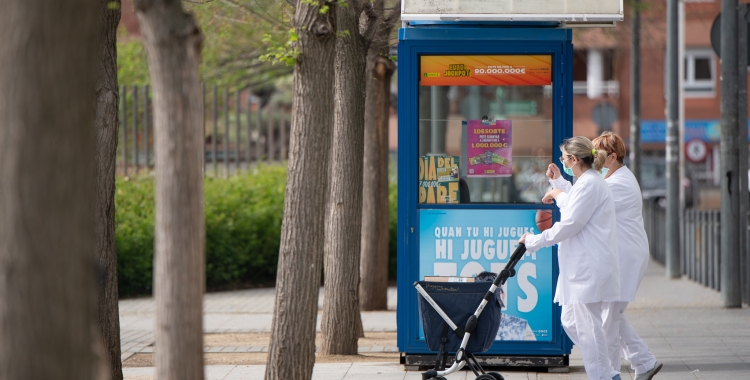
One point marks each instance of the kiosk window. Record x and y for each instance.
(485, 128)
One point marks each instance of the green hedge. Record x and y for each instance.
(243, 228)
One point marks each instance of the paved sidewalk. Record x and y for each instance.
(239, 311)
(683, 323)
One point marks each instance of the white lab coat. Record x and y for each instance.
(632, 242)
(587, 243)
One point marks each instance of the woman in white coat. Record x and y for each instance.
(587, 254)
(632, 246)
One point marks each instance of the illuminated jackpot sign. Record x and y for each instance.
(485, 70)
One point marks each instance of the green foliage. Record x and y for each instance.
(237, 34)
(134, 235)
(286, 53)
(243, 230)
(243, 226)
(132, 62)
(233, 43)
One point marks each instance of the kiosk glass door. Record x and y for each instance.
(485, 139)
(486, 122)
(481, 111)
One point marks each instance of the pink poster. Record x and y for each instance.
(488, 148)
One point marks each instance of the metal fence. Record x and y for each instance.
(238, 131)
(700, 243)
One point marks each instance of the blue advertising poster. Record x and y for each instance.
(466, 242)
(655, 131)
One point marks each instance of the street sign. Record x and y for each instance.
(570, 12)
(696, 151)
(603, 114)
(716, 36)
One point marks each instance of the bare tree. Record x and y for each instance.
(291, 354)
(105, 157)
(173, 44)
(47, 248)
(341, 319)
(375, 218)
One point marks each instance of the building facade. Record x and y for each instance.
(602, 83)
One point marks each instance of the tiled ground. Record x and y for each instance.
(684, 324)
(233, 312)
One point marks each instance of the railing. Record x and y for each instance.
(654, 221)
(238, 132)
(700, 243)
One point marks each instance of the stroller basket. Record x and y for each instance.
(462, 317)
(459, 300)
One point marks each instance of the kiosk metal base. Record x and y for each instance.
(414, 362)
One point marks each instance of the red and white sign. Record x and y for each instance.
(696, 150)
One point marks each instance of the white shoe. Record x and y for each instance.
(650, 374)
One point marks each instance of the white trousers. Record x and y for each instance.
(622, 340)
(583, 324)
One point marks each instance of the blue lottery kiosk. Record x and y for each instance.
(483, 106)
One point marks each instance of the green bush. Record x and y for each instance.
(243, 224)
(134, 235)
(243, 230)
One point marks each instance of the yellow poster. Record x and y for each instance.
(438, 179)
(485, 70)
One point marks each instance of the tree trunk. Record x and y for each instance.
(47, 248)
(291, 354)
(344, 207)
(173, 43)
(105, 157)
(375, 227)
(384, 70)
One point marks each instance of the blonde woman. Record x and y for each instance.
(587, 254)
(633, 249)
(633, 255)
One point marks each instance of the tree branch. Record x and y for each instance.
(371, 23)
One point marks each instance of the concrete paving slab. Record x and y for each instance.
(139, 373)
(246, 372)
(323, 371)
(367, 371)
(217, 372)
(684, 324)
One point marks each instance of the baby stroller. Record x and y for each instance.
(478, 332)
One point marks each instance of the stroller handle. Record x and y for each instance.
(509, 270)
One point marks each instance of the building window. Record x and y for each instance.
(594, 73)
(700, 80)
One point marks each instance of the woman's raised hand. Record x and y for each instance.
(553, 172)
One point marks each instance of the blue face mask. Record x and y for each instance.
(567, 170)
(605, 170)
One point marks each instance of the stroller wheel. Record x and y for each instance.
(496, 375)
(485, 377)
